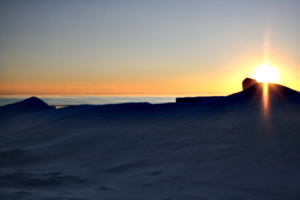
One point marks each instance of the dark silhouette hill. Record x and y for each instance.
(276, 93)
(27, 105)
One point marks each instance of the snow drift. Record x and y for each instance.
(219, 149)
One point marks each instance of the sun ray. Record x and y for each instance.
(265, 99)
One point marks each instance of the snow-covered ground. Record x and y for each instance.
(226, 149)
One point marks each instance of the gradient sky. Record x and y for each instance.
(145, 46)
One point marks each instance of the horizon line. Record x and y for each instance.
(107, 93)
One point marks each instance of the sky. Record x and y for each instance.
(200, 46)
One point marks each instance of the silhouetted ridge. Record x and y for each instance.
(276, 93)
(30, 104)
(252, 92)
(203, 99)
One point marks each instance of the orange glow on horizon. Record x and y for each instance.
(184, 86)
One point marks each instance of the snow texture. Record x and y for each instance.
(221, 149)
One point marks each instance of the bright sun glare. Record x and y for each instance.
(266, 73)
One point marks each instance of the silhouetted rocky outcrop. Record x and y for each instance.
(248, 82)
(275, 92)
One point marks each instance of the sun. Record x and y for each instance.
(266, 73)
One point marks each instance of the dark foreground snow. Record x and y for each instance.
(227, 149)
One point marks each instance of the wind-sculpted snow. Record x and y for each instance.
(191, 150)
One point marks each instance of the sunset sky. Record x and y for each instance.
(145, 46)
